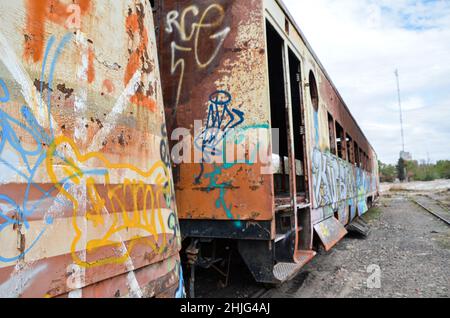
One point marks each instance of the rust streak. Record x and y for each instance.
(91, 69)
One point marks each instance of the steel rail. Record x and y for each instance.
(432, 212)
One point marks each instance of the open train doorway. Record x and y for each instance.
(292, 213)
(301, 169)
(279, 117)
(299, 127)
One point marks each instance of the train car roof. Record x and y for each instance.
(316, 58)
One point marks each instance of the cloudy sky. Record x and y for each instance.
(362, 42)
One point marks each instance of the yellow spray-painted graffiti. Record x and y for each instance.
(141, 219)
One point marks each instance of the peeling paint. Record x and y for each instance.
(20, 281)
(86, 193)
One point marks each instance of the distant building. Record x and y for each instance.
(407, 156)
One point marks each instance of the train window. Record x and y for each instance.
(340, 141)
(357, 154)
(332, 133)
(313, 91)
(361, 158)
(350, 150)
(367, 162)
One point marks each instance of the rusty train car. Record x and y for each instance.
(87, 206)
(266, 153)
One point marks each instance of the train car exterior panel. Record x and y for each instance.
(212, 55)
(87, 206)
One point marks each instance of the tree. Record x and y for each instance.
(401, 170)
(388, 173)
(443, 169)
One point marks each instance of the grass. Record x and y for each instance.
(443, 240)
(373, 214)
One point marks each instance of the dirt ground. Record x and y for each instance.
(409, 246)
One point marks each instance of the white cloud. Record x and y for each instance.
(362, 42)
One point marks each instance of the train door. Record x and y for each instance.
(289, 156)
(301, 159)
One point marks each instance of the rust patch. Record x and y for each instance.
(91, 69)
(45, 86)
(121, 140)
(66, 91)
(207, 47)
(99, 123)
(139, 57)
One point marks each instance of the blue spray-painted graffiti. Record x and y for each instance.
(221, 120)
(339, 185)
(238, 135)
(5, 97)
(181, 292)
(15, 159)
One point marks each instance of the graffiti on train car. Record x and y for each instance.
(146, 190)
(136, 195)
(338, 184)
(225, 129)
(255, 155)
(180, 292)
(221, 120)
(5, 91)
(16, 160)
(190, 42)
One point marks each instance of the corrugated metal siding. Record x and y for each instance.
(86, 194)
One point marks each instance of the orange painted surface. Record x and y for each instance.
(108, 85)
(144, 101)
(208, 48)
(249, 197)
(138, 59)
(38, 13)
(91, 69)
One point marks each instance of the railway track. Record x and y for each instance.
(262, 293)
(433, 206)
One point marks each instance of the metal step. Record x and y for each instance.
(359, 226)
(285, 271)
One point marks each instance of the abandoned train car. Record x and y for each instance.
(241, 78)
(86, 194)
